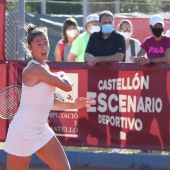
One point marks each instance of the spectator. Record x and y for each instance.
(157, 47)
(79, 45)
(107, 45)
(69, 33)
(132, 45)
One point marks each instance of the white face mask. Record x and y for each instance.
(71, 33)
(95, 28)
(127, 35)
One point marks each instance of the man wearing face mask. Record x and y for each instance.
(76, 53)
(132, 44)
(107, 45)
(156, 47)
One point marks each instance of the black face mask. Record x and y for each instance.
(157, 31)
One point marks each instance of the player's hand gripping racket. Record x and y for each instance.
(62, 75)
(10, 101)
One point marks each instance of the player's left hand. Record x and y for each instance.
(81, 102)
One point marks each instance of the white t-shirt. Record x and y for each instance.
(128, 51)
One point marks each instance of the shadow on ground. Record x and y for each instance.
(45, 167)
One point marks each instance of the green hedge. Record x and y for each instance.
(54, 8)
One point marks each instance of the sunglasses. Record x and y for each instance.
(126, 29)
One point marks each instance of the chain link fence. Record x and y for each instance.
(11, 18)
(129, 6)
(57, 11)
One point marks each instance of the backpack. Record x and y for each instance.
(132, 48)
(61, 45)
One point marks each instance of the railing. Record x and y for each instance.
(131, 105)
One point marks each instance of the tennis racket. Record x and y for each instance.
(10, 101)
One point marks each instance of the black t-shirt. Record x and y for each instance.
(98, 46)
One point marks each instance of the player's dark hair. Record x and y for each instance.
(33, 31)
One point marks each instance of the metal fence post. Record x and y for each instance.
(43, 7)
(117, 6)
(85, 12)
(21, 31)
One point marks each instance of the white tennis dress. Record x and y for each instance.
(29, 130)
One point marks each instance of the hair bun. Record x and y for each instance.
(31, 27)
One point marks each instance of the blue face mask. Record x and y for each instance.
(107, 29)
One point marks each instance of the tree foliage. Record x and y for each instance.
(125, 6)
(144, 6)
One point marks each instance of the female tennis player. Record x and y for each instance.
(29, 131)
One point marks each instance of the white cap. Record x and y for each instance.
(156, 19)
(167, 33)
(92, 17)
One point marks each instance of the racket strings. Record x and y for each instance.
(10, 101)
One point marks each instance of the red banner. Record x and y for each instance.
(131, 110)
(2, 28)
(131, 105)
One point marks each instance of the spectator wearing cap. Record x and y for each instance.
(107, 45)
(77, 50)
(157, 47)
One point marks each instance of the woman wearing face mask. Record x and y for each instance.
(132, 45)
(69, 33)
(156, 47)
